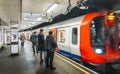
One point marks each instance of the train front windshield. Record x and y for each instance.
(97, 32)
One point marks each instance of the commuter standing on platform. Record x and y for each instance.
(33, 39)
(50, 45)
(41, 45)
(22, 38)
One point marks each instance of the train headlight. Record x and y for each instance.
(99, 50)
(119, 47)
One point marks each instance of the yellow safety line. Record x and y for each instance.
(74, 65)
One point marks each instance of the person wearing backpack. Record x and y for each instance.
(50, 45)
(41, 45)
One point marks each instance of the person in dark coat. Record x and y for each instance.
(51, 45)
(41, 45)
(33, 39)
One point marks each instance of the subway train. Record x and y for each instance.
(92, 38)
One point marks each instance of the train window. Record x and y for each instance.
(118, 25)
(74, 36)
(97, 32)
(61, 36)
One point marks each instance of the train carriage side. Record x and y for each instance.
(85, 38)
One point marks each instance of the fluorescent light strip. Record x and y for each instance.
(52, 7)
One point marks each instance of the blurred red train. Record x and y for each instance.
(93, 38)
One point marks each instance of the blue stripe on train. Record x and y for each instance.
(69, 54)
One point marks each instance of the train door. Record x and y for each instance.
(118, 27)
(54, 30)
(75, 41)
(111, 43)
(112, 37)
(63, 40)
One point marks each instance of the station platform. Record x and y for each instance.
(28, 63)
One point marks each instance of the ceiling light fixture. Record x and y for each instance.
(52, 8)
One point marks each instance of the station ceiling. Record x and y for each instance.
(11, 10)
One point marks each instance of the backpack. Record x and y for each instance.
(50, 43)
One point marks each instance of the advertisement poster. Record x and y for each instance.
(14, 38)
(14, 35)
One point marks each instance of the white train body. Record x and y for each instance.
(86, 38)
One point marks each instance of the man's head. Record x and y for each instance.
(41, 30)
(50, 32)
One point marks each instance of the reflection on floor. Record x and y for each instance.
(28, 63)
